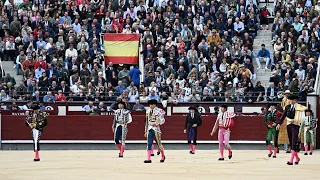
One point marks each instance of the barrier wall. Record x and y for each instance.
(75, 127)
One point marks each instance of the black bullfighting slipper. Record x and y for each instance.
(147, 161)
(152, 154)
(36, 160)
(310, 153)
(158, 153)
(269, 155)
(289, 163)
(305, 153)
(221, 159)
(230, 156)
(274, 156)
(162, 160)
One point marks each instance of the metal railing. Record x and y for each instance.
(316, 85)
(2, 70)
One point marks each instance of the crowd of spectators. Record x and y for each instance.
(193, 50)
(295, 38)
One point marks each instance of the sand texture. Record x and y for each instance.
(96, 165)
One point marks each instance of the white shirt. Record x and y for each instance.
(300, 74)
(239, 25)
(71, 53)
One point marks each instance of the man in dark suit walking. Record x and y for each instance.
(193, 121)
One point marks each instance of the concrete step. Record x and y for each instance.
(8, 68)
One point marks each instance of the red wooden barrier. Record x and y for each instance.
(99, 128)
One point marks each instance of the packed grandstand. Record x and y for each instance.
(192, 51)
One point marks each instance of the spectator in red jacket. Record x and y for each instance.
(60, 96)
(41, 62)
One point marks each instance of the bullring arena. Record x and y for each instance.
(104, 164)
(92, 154)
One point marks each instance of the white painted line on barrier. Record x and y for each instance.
(111, 142)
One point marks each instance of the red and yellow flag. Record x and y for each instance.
(121, 48)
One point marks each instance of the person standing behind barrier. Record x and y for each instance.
(193, 121)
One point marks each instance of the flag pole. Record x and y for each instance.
(104, 60)
(141, 62)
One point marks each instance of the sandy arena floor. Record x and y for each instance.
(94, 165)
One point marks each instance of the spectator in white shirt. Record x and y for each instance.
(300, 73)
(239, 27)
(75, 88)
(70, 53)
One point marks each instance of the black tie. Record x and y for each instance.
(151, 112)
(222, 116)
(192, 116)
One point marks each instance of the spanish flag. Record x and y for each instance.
(121, 48)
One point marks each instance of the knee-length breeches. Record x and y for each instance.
(192, 135)
(150, 136)
(308, 137)
(272, 132)
(36, 134)
(224, 137)
(293, 132)
(121, 133)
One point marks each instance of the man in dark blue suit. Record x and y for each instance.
(51, 71)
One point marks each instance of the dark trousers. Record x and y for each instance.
(118, 135)
(192, 135)
(293, 132)
(153, 134)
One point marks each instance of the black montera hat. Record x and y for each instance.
(152, 101)
(192, 108)
(273, 104)
(123, 103)
(224, 106)
(293, 97)
(35, 107)
(308, 110)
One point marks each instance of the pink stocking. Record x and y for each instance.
(275, 151)
(194, 148)
(221, 153)
(149, 155)
(191, 147)
(292, 156)
(311, 148)
(306, 148)
(270, 149)
(162, 154)
(230, 152)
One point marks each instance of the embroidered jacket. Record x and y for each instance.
(293, 115)
(223, 120)
(154, 116)
(122, 117)
(308, 123)
(37, 120)
(272, 117)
